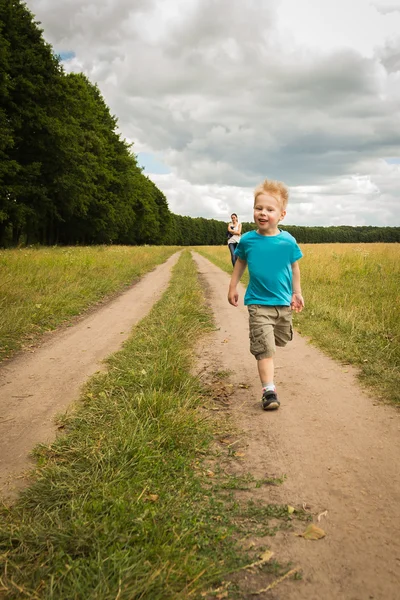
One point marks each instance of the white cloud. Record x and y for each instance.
(326, 25)
(228, 93)
(352, 200)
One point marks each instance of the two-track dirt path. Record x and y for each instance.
(338, 449)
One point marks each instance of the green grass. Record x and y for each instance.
(352, 295)
(40, 288)
(121, 505)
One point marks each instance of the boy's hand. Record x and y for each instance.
(233, 297)
(297, 303)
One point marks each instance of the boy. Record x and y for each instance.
(274, 288)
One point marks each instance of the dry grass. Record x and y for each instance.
(43, 287)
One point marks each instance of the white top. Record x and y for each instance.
(235, 239)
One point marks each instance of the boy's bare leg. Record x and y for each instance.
(266, 370)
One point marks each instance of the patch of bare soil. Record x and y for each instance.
(36, 386)
(338, 448)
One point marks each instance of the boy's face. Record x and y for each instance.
(268, 212)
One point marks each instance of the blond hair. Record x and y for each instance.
(276, 189)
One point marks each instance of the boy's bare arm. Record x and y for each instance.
(297, 303)
(238, 270)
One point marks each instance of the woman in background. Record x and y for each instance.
(234, 233)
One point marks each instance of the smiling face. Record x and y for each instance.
(268, 212)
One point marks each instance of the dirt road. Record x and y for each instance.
(338, 448)
(339, 451)
(35, 387)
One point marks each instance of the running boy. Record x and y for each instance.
(274, 288)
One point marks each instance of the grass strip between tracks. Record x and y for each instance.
(120, 506)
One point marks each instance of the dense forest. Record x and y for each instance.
(66, 176)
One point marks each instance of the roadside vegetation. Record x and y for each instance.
(40, 288)
(352, 295)
(129, 501)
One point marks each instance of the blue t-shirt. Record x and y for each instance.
(269, 260)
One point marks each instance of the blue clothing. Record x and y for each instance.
(269, 260)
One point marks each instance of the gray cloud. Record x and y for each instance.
(86, 21)
(390, 56)
(227, 99)
(386, 7)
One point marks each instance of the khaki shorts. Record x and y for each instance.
(270, 326)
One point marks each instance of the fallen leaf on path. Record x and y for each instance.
(312, 532)
(323, 514)
(290, 509)
(240, 454)
(244, 386)
(210, 473)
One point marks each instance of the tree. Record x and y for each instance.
(27, 101)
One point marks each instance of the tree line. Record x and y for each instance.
(344, 234)
(67, 177)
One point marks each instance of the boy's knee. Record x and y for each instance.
(262, 344)
(283, 335)
(268, 354)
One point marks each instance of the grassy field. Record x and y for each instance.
(124, 504)
(42, 287)
(352, 295)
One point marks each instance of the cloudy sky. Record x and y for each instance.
(219, 94)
